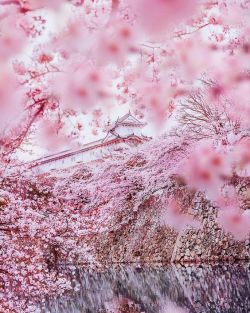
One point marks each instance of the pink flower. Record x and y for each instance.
(82, 87)
(174, 217)
(12, 37)
(241, 157)
(158, 15)
(228, 201)
(31, 5)
(154, 101)
(70, 40)
(207, 168)
(19, 68)
(50, 135)
(240, 109)
(12, 98)
(115, 44)
(235, 222)
(45, 57)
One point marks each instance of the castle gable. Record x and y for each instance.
(129, 119)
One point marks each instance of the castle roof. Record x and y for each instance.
(129, 119)
(112, 136)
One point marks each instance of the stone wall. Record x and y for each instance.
(210, 242)
(136, 237)
(141, 236)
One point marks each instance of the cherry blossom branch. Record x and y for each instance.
(180, 34)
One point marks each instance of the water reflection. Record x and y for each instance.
(133, 289)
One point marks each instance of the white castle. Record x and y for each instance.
(125, 133)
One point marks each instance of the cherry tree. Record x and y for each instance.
(55, 213)
(184, 63)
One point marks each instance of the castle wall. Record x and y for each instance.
(82, 157)
(210, 242)
(125, 131)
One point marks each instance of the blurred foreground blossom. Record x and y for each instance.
(12, 36)
(83, 89)
(50, 135)
(235, 222)
(241, 157)
(116, 43)
(158, 15)
(173, 216)
(207, 168)
(39, 4)
(12, 99)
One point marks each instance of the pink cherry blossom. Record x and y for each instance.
(12, 99)
(228, 200)
(207, 168)
(157, 16)
(174, 217)
(241, 157)
(235, 222)
(116, 43)
(30, 5)
(12, 36)
(51, 136)
(86, 87)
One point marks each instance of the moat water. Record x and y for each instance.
(220, 288)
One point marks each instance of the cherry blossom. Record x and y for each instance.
(184, 64)
(85, 87)
(241, 157)
(157, 16)
(12, 37)
(207, 168)
(51, 130)
(174, 217)
(116, 43)
(30, 5)
(235, 222)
